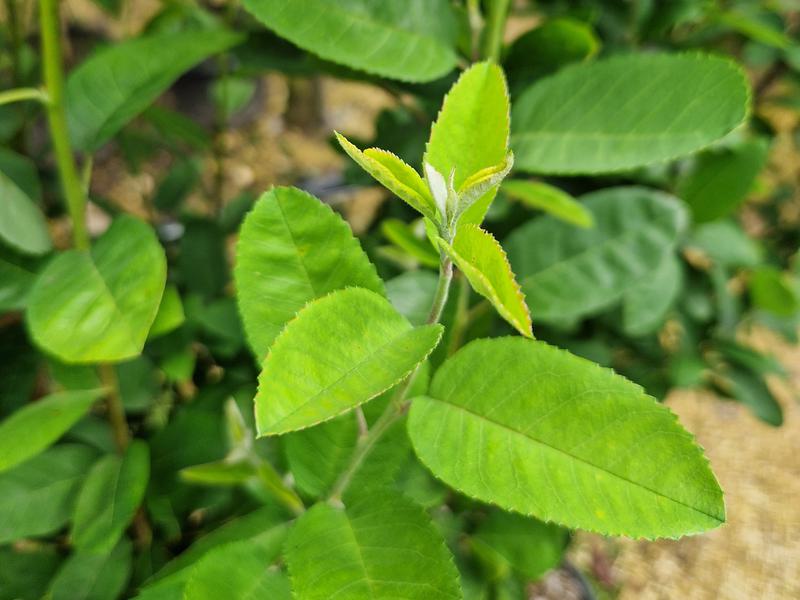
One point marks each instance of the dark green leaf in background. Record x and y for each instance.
(627, 111)
(36, 497)
(567, 273)
(131, 75)
(410, 40)
(721, 179)
(93, 576)
(22, 225)
(112, 492)
(36, 426)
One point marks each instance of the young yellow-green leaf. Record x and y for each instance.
(22, 224)
(380, 547)
(721, 178)
(411, 40)
(550, 199)
(482, 260)
(393, 174)
(527, 545)
(567, 273)
(539, 431)
(627, 111)
(340, 351)
(34, 427)
(479, 184)
(37, 496)
(170, 313)
(292, 249)
(238, 570)
(131, 75)
(97, 306)
(112, 492)
(471, 131)
(401, 234)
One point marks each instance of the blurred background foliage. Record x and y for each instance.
(241, 108)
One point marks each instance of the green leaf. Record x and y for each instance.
(393, 174)
(381, 546)
(318, 455)
(726, 244)
(293, 249)
(774, 291)
(539, 431)
(547, 48)
(23, 172)
(627, 111)
(411, 40)
(22, 224)
(238, 570)
(721, 179)
(646, 304)
(132, 74)
(402, 235)
(26, 572)
(412, 294)
(108, 500)
(567, 273)
(528, 545)
(36, 497)
(751, 390)
(170, 313)
(755, 24)
(118, 285)
(482, 260)
(471, 131)
(265, 523)
(17, 276)
(339, 352)
(91, 576)
(36, 426)
(550, 199)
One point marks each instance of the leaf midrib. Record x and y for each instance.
(349, 372)
(567, 454)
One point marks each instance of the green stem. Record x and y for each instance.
(272, 482)
(398, 406)
(475, 26)
(116, 412)
(496, 15)
(461, 321)
(57, 120)
(20, 94)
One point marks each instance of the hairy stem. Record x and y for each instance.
(399, 404)
(53, 74)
